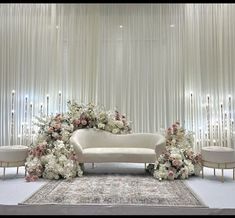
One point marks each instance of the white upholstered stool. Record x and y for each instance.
(13, 156)
(218, 158)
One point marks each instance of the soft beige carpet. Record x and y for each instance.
(116, 189)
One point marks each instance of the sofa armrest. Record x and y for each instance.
(76, 146)
(160, 147)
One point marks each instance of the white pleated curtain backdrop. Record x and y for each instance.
(157, 63)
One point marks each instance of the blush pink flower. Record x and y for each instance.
(27, 178)
(58, 117)
(50, 130)
(57, 126)
(77, 121)
(31, 178)
(176, 163)
(170, 175)
(34, 178)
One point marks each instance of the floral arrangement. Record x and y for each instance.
(178, 161)
(51, 156)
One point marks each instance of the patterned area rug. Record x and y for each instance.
(115, 189)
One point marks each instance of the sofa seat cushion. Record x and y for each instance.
(217, 154)
(137, 155)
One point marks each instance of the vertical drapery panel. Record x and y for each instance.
(158, 63)
(209, 72)
(27, 56)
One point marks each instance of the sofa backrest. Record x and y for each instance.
(89, 138)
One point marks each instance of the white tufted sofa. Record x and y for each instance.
(98, 146)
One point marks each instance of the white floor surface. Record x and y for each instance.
(215, 194)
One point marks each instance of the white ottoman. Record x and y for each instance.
(13, 156)
(218, 158)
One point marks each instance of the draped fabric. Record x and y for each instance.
(156, 63)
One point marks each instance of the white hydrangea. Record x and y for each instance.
(111, 123)
(65, 135)
(102, 115)
(55, 135)
(162, 173)
(65, 126)
(176, 156)
(79, 171)
(101, 126)
(59, 144)
(33, 162)
(167, 164)
(184, 173)
(57, 158)
(119, 123)
(197, 169)
(62, 159)
(115, 131)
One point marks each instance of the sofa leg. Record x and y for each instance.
(222, 175)
(82, 166)
(93, 165)
(4, 171)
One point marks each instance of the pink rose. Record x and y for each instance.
(34, 178)
(50, 130)
(27, 178)
(77, 121)
(190, 157)
(73, 157)
(58, 117)
(176, 163)
(31, 178)
(57, 126)
(170, 175)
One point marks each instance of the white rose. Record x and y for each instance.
(111, 123)
(173, 141)
(119, 123)
(190, 169)
(176, 156)
(55, 135)
(65, 135)
(62, 158)
(167, 164)
(197, 169)
(101, 126)
(115, 131)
